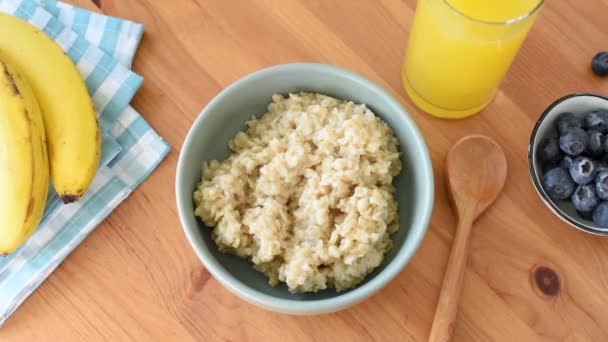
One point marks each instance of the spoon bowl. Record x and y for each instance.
(476, 172)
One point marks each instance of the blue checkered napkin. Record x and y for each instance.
(102, 49)
(115, 36)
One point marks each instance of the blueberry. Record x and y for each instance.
(548, 151)
(584, 198)
(601, 185)
(574, 141)
(595, 147)
(599, 64)
(597, 120)
(600, 215)
(582, 170)
(558, 184)
(568, 120)
(566, 162)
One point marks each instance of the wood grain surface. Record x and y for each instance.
(530, 277)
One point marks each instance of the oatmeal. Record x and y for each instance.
(306, 194)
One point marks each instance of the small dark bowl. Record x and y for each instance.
(579, 104)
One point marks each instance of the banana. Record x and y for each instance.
(24, 164)
(73, 137)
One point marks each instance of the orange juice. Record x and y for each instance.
(460, 50)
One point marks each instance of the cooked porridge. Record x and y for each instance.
(306, 194)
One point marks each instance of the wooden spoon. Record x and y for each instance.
(476, 172)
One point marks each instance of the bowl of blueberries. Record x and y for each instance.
(568, 160)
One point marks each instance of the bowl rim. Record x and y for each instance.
(536, 181)
(359, 293)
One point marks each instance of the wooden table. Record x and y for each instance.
(530, 276)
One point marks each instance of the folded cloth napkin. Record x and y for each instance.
(102, 48)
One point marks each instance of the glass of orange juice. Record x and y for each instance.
(459, 51)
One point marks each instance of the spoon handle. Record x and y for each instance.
(447, 306)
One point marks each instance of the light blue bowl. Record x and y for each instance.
(226, 115)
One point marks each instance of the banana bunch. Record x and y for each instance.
(48, 127)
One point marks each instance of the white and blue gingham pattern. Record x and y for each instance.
(102, 48)
(115, 36)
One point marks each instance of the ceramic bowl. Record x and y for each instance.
(226, 115)
(579, 104)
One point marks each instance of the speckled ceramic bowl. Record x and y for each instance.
(579, 104)
(226, 115)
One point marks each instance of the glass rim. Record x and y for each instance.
(505, 22)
